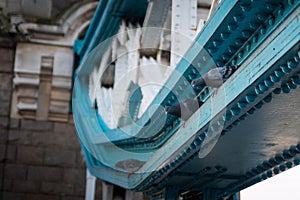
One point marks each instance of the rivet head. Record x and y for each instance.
(248, 46)
(232, 27)
(292, 64)
(257, 90)
(251, 111)
(279, 73)
(296, 80)
(271, 21)
(274, 78)
(233, 62)
(285, 89)
(259, 105)
(242, 104)
(255, 39)
(269, 173)
(235, 111)
(224, 35)
(291, 85)
(289, 165)
(277, 91)
(297, 59)
(236, 123)
(282, 168)
(268, 82)
(263, 87)
(280, 11)
(268, 99)
(276, 170)
(217, 43)
(263, 30)
(237, 18)
(241, 54)
(250, 98)
(296, 161)
(246, 7)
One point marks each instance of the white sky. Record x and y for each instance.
(285, 185)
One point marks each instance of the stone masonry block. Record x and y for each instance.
(7, 185)
(29, 155)
(25, 186)
(57, 188)
(62, 140)
(5, 95)
(64, 127)
(60, 157)
(7, 54)
(11, 151)
(6, 81)
(4, 108)
(3, 122)
(2, 152)
(44, 173)
(6, 66)
(19, 137)
(14, 171)
(14, 123)
(36, 125)
(3, 136)
(12, 196)
(76, 177)
(72, 198)
(42, 197)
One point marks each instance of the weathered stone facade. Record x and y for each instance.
(38, 159)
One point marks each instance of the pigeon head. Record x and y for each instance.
(194, 83)
(173, 110)
(198, 82)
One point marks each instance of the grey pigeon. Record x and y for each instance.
(215, 77)
(183, 109)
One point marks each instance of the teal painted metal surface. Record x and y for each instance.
(261, 37)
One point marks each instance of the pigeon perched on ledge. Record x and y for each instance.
(183, 109)
(215, 77)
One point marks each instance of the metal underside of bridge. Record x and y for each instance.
(245, 132)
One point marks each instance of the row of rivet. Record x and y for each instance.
(263, 30)
(246, 34)
(235, 111)
(262, 87)
(263, 172)
(197, 142)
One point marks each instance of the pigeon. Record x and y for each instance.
(183, 109)
(130, 165)
(215, 77)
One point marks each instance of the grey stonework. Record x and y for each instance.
(38, 159)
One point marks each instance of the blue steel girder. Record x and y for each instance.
(258, 28)
(285, 65)
(234, 113)
(268, 55)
